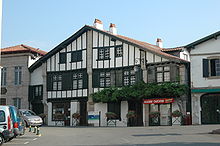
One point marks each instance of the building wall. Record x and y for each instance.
(14, 91)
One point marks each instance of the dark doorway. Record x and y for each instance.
(38, 108)
(137, 106)
(83, 113)
(210, 104)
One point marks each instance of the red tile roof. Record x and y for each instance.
(172, 49)
(145, 45)
(22, 48)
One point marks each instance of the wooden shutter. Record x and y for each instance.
(151, 74)
(85, 80)
(66, 81)
(118, 78)
(173, 72)
(113, 78)
(79, 55)
(74, 56)
(95, 79)
(49, 82)
(205, 63)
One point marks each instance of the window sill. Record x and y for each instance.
(75, 61)
(214, 77)
(103, 59)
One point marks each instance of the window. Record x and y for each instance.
(17, 102)
(58, 111)
(163, 74)
(3, 76)
(57, 82)
(115, 107)
(76, 56)
(118, 51)
(215, 67)
(18, 72)
(104, 53)
(2, 101)
(129, 77)
(2, 116)
(105, 79)
(62, 58)
(38, 92)
(77, 80)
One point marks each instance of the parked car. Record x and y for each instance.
(6, 123)
(30, 118)
(18, 122)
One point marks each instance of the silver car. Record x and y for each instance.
(30, 118)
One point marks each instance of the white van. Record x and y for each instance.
(6, 124)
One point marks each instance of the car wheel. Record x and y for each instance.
(1, 139)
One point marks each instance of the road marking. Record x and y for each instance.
(26, 142)
(125, 140)
(35, 139)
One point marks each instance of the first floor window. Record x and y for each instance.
(18, 72)
(118, 51)
(163, 74)
(57, 82)
(215, 67)
(105, 79)
(76, 56)
(3, 76)
(17, 102)
(77, 80)
(62, 58)
(115, 107)
(129, 77)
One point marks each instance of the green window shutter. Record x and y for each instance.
(79, 55)
(95, 79)
(118, 78)
(112, 78)
(74, 56)
(49, 82)
(30, 93)
(151, 74)
(66, 81)
(205, 68)
(62, 58)
(174, 72)
(85, 80)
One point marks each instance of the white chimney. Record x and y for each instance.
(159, 43)
(112, 28)
(98, 24)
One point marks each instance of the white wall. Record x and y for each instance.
(203, 51)
(36, 76)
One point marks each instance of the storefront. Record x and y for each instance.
(159, 111)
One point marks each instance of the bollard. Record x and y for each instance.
(35, 128)
(29, 128)
(38, 131)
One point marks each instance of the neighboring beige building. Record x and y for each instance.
(15, 76)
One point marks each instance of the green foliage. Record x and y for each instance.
(131, 114)
(140, 91)
(111, 115)
(176, 113)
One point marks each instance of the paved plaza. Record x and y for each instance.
(152, 136)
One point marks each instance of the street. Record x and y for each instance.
(155, 136)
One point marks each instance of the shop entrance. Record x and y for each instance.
(160, 114)
(210, 104)
(61, 112)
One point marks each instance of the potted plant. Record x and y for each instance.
(76, 116)
(131, 114)
(111, 115)
(154, 114)
(176, 113)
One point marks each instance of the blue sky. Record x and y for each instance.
(46, 23)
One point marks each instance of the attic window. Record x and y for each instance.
(118, 51)
(62, 58)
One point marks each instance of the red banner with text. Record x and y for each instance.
(158, 101)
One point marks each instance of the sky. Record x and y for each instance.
(45, 24)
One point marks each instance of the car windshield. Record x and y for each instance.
(28, 113)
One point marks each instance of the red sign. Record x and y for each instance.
(158, 101)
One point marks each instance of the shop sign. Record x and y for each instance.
(158, 101)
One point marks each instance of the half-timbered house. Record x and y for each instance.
(93, 59)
